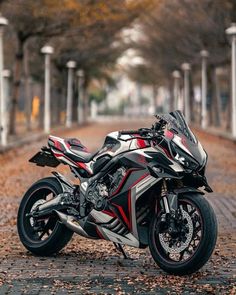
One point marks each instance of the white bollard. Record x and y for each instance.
(204, 54)
(231, 31)
(176, 75)
(70, 65)
(186, 69)
(47, 51)
(94, 110)
(80, 75)
(3, 117)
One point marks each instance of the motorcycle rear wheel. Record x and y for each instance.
(187, 254)
(47, 236)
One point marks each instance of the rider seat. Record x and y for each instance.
(79, 151)
(71, 148)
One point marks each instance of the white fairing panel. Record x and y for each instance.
(126, 143)
(128, 239)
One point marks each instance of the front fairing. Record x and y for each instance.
(185, 147)
(191, 151)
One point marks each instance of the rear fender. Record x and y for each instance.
(64, 183)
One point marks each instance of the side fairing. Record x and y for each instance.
(118, 222)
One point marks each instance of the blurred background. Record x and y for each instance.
(84, 68)
(66, 62)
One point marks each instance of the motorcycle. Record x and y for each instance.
(140, 189)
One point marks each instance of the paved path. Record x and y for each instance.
(94, 267)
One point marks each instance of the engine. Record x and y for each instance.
(98, 193)
(116, 178)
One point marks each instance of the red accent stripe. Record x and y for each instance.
(141, 143)
(83, 166)
(123, 215)
(139, 179)
(129, 209)
(183, 140)
(58, 155)
(169, 134)
(166, 152)
(59, 146)
(99, 233)
(67, 144)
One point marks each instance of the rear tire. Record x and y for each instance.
(203, 249)
(30, 238)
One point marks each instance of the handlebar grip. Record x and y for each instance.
(129, 132)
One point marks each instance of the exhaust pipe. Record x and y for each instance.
(55, 204)
(49, 205)
(71, 223)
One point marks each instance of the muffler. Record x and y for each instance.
(71, 223)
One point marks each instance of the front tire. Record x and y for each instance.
(200, 224)
(41, 237)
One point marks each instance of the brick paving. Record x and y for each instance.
(94, 267)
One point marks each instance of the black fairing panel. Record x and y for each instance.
(110, 145)
(134, 160)
(91, 228)
(121, 202)
(100, 162)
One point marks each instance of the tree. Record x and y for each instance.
(42, 18)
(90, 27)
(96, 45)
(176, 30)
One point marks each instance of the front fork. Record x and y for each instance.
(169, 199)
(169, 204)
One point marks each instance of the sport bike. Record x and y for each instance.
(140, 189)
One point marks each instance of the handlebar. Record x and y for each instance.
(129, 132)
(142, 133)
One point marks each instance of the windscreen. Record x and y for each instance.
(177, 122)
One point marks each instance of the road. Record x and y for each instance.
(94, 267)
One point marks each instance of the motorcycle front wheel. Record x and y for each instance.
(188, 249)
(45, 236)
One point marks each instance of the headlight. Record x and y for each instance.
(183, 158)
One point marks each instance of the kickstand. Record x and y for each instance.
(120, 248)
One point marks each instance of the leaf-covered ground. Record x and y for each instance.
(95, 267)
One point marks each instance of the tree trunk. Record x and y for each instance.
(59, 106)
(215, 106)
(27, 96)
(210, 91)
(168, 105)
(218, 101)
(16, 86)
(191, 99)
(154, 93)
(85, 105)
(85, 96)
